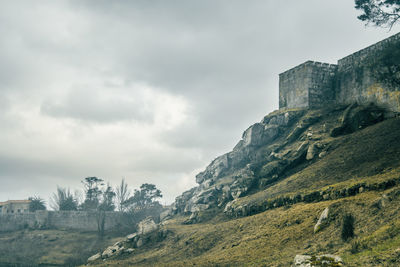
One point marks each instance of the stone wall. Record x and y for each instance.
(76, 220)
(356, 83)
(321, 90)
(307, 85)
(314, 84)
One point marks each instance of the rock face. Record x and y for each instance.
(322, 220)
(232, 175)
(268, 150)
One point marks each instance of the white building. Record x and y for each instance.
(14, 206)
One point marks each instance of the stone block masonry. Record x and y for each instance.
(315, 84)
(310, 84)
(357, 83)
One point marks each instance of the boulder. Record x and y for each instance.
(129, 250)
(140, 242)
(323, 218)
(131, 237)
(302, 261)
(311, 151)
(111, 251)
(317, 261)
(147, 226)
(95, 257)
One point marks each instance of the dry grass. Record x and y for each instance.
(49, 247)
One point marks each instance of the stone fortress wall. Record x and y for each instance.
(315, 84)
(307, 85)
(356, 83)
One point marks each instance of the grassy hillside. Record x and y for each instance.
(370, 156)
(274, 237)
(49, 247)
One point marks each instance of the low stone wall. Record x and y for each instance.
(74, 220)
(77, 220)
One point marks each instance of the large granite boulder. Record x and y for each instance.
(147, 226)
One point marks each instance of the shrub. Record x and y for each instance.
(348, 227)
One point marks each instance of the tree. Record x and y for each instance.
(98, 199)
(381, 13)
(106, 204)
(122, 195)
(144, 197)
(63, 200)
(107, 201)
(93, 192)
(36, 203)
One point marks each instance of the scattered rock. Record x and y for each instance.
(131, 237)
(302, 261)
(139, 243)
(129, 250)
(111, 251)
(311, 151)
(317, 261)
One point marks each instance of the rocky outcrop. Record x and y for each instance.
(267, 152)
(232, 175)
(317, 261)
(148, 231)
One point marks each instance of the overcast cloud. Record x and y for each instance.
(148, 90)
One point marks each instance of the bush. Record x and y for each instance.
(348, 227)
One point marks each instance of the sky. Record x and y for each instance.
(149, 91)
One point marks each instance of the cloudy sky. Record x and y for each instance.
(148, 90)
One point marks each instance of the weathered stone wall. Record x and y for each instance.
(314, 84)
(321, 90)
(77, 220)
(356, 83)
(307, 85)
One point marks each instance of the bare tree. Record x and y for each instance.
(122, 194)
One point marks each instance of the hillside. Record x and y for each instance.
(258, 205)
(50, 247)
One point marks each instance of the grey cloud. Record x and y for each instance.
(222, 57)
(86, 104)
